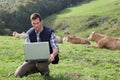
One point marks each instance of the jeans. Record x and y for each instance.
(32, 67)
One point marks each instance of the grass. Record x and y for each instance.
(77, 62)
(97, 15)
(95, 7)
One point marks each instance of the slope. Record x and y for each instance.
(98, 15)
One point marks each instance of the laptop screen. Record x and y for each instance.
(38, 51)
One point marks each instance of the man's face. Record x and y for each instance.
(36, 24)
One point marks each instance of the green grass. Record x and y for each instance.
(95, 7)
(77, 62)
(98, 15)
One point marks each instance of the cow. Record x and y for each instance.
(104, 41)
(66, 37)
(75, 40)
(19, 35)
(59, 39)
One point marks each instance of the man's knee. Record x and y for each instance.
(16, 74)
(19, 73)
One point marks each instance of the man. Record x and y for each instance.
(35, 34)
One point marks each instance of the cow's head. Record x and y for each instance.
(91, 36)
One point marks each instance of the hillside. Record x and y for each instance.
(98, 15)
(14, 14)
(10, 5)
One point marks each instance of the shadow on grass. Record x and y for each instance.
(65, 76)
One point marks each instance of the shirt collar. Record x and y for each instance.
(39, 31)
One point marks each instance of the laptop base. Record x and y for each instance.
(37, 60)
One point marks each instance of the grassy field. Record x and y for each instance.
(77, 62)
(102, 16)
(95, 7)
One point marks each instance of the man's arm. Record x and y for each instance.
(54, 47)
(27, 40)
(52, 56)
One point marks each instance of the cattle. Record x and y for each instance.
(65, 38)
(19, 35)
(59, 39)
(75, 40)
(104, 41)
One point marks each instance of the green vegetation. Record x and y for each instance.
(14, 14)
(77, 62)
(87, 16)
(98, 15)
(95, 7)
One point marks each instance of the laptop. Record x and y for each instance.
(37, 51)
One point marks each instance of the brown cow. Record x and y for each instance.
(74, 40)
(104, 41)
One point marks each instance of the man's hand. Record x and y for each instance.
(52, 57)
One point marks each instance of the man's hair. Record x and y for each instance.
(35, 16)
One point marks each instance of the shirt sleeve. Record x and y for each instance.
(27, 40)
(53, 41)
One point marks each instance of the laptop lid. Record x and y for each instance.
(38, 51)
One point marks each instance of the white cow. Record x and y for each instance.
(19, 35)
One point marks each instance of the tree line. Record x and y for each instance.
(16, 16)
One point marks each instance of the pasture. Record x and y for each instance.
(97, 15)
(77, 62)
